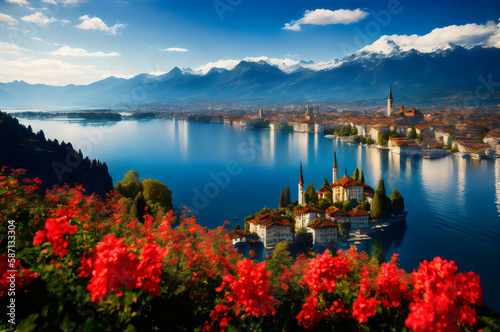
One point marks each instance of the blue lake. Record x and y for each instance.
(222, 172)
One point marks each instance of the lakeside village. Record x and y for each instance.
(340, 214)
(473, 133)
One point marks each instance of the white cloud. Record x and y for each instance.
(95, 23)
(464, 35)
(7, 18)
(52, 2)
(54, 44)
(39, 18)
(19, 2)
(37, 39)
(8, 48)
(80, 52)
(175, 49)
(53, 72)
(64, 22)
(327, 17)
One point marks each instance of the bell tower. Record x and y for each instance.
(390, 105)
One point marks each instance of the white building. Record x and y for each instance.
(304, 215)
(336, 215)
(323, 231)
(238, 236)
(404, 146)
(271, 229)
(358, 218)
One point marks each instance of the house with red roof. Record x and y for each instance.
(324, 231)
(271, 229)
(358, 218)
(305, 214)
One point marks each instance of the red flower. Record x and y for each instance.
(324, 271)
(441, 298)
(54, 232)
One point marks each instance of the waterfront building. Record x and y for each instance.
(358, 218)
(304, 215)
(324, 231)
(271, 229)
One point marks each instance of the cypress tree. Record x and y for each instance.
(355, 174)
(281, 202)
(311, 192)
(288, 198)
(140, 204)
(361, 176)
(397, 202)
(378, 204)
(381, 186)
(325, 183)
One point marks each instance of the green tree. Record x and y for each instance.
(237, 228)
(323, 204)
(130, 185)
(281, 202)
(264, 210)
(381, 186)
(378, 252)
(329, 198)
(288, 199)
(397, 202)
(347, 206)
(355, 174)
(412, 133)
(280, 260)
(139, 207)
(366, 205)
(325, 183)
(313, 196)
(377, 210)
(157, 195)
(420, 137)
(361, 176)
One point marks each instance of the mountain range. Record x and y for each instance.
(454, 75)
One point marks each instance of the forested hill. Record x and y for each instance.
(50, 161)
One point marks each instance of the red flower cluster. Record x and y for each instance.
(441, 297)
(250, 292)
(391, 284)
(54, 232)
(364, 307)
(22, 278)
(149, 269)
(324, 271)
(112, 266)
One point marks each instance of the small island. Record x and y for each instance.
(342, 212)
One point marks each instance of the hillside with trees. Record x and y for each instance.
(48, 160)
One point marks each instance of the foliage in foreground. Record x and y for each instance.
(84, 263)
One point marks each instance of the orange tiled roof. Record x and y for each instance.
(236, 234)
(346, 181)
(324, 190)
(270, 219)
(320, 223)
(307, 209)
(358, 213)
(335, 212)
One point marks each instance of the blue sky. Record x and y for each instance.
(81, 41)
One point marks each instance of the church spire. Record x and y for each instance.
(335, 159)
(301, 181)
(390, 91)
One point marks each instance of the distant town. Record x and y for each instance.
(402, 129)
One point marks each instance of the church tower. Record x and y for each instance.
(335, 168)
(390, 106)
(308, 112)
(301, 186)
